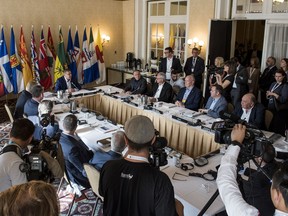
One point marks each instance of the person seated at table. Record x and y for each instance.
(162, 91)
(251, 111)
(31, 106)
(33, 198)
(117, 146)
(24, 96)
(189, 96)
(137, 85)
(215, 103)
(75, 152)
(66, 84)
(45, 113)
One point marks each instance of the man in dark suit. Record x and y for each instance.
(24, 96)
(189, 96)
(251, 111)
(31, 106)
(117, 146)
(76, 153)
(65, 83)
(215, 103)
(267, 78)
(162, 91)
(170, 63)
(240, 84)
(137, 85)
(195, 65)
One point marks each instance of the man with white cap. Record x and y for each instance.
(131, 186)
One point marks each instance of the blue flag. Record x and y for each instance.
(78, 57)
(5, 65)
(70, 51)
(86, 57)
(18, 82)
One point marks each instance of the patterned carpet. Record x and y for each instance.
(85, 205)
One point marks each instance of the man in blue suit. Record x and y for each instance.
(117, 146)
(31, 106)
(251, 111)
(215, 103)
(65, 83)
(189, 96)
(76, 153)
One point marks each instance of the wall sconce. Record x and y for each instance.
(196, 42)
(105, 39)
(160, 38)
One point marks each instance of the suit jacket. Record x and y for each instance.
(166, 94)
(241, 80)
(257, 116)
(220, 105)
(19, 107)
(176, 65)
(267, 78)
(101, 157)
(62, 85)
(31, 107)
(257, 189)
(137, 86)
(193, 100)
(76, 153)
(198, 69)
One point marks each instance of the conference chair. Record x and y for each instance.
(230, 107)
(268, 118)
(201, 104)
(93, 176)
(9, 113)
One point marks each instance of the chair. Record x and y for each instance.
(201, 104)
(268, 118)
(93, 176)
(9, 113)
(230, 107)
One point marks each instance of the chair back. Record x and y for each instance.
(9, 113)
(268, 118)
(230, 108)
(93, 176)
(201, 104)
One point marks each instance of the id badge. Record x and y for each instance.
(192, 70)
(249, 81)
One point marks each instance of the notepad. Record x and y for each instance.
(104, 142)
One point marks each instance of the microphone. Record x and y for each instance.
(74, 85)
(135, 90)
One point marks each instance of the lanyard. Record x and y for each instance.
(275, 87)
(138, 158)
(251, 71)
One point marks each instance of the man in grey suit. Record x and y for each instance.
(215, 103)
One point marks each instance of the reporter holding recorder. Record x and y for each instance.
(228, 187)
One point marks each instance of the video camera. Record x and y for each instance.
(158, 156)
(253, 141)
(213, 70)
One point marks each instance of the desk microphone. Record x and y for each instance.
(135, 90)
(74, 85)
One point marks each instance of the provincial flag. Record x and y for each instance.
(92, 51)
(51, 54)
(100, 57)
(77, 56)
(88, 76)
(70, 51)
(60, 63)
(34, 58)
(18, 82)
(44, 70)
(25, 61)
(5, 65)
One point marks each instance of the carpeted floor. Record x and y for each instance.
(85, 205)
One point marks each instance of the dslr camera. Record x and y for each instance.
(213, 70)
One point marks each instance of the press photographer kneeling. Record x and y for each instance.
(228, 187)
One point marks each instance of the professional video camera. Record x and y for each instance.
(158, 156)
(35, 165)
(253, 141)
(213, 70)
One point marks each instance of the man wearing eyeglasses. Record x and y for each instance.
(170, 63)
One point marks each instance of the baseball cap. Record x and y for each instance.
(139, 129)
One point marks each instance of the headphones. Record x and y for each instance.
(187, 166)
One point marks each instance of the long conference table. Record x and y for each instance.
(193, 141)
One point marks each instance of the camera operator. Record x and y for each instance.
(131, 186)
(228, 187)
(11, 161)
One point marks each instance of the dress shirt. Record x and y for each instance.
(213, 103)
(280, 213)
(68, 82)
(179, 82)
(194, 59)
(158, 92)
(168, 68)
(246, 114)
(228, 186)
(186, 94)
